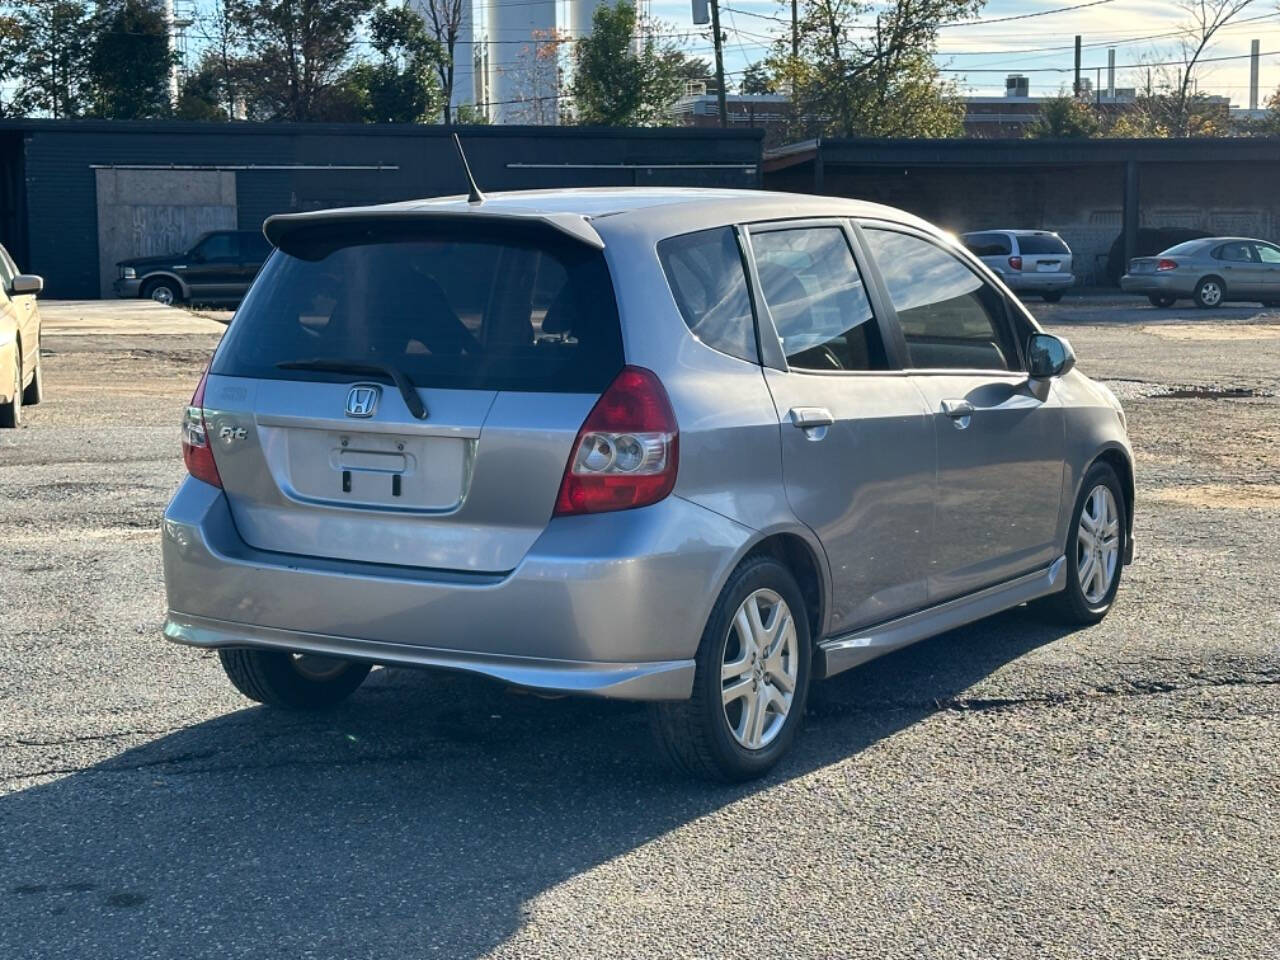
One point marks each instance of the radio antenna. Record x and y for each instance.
(473, 192)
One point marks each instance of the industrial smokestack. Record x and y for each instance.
(1254, 57)
(1111, 74)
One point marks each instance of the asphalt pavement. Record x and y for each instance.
(1007, 790)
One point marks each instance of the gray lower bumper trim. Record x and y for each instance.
(662, 680)
(850, 650)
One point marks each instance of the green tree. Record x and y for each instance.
(10, 59)
(298, 52)
(619, 82)
(53, 73)
(400, 87)
(1065, 117)
(200, 96)
(848, 80)
(756, 79)
(130, 60)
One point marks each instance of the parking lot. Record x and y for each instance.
(1006, 790)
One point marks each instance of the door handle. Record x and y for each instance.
(807, 418)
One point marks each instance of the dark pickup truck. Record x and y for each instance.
(219, 266)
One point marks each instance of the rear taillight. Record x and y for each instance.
(626, 452)
(1015, 263)
(197, 453)
(1166, 265)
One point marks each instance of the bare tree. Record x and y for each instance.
(444, 22)
(1204, 19)
(537, 75)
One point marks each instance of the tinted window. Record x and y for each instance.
(1267, 253)
(709, 284)
(949, 316)
(1235, 252)
(1039, 243)
(816, 298)
(219, 246)
(478, 310)
(988, 244)
(254, 246)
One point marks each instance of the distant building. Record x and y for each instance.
(769, 111)
(1011, 115)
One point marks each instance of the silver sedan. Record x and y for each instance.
(1209, 271)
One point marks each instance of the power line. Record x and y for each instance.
(1119, 66)
(1024, 16)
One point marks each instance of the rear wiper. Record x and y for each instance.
(396, 376)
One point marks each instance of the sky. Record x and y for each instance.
(979, 55)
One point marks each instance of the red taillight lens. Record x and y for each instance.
(1015, 263)
(197, 454)
(1166, 265)
(626, 452)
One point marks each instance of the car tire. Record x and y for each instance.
(164, 292)
(1161, 300)
(709, 736)
(11, 412)
(1101, 504)
(35, 389)
(292, 681)
(1210, 292)
(1051, 296)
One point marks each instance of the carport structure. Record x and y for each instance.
(1089, 191)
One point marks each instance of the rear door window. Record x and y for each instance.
(707, 279)
(817, 300)
(1235, 252)
(219, 246)
(494, 310)
(951, 318)
(1034, 244)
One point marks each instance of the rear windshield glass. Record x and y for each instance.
(1041, 243)
(1183, 248)
(524, 310)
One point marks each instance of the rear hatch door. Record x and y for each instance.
(409, 394)
(1044, 253)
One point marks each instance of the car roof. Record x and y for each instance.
(576, 211)
(1013, 233)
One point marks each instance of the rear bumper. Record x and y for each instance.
(1166, 283)
(610, 605)
(1038, 281)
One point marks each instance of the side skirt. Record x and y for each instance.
(852, 649)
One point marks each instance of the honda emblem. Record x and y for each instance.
(362, 399)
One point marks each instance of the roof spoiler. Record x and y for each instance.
(277, 228)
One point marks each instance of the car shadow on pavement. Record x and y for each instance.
(419, 819)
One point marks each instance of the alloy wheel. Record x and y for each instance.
(1210, 294)
(162, 295)
(1098, 544)
(760, 669)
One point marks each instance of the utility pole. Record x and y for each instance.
(1077, 84)
(1254, 56)
(795, 30)
(719, 44)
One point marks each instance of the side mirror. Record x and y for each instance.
(27, 283)
(1048, 356)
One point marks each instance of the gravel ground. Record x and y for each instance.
(1007, 790)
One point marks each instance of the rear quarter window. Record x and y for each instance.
(478, 309)
(988, 244)
(709, 284)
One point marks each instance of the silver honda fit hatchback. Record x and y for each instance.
(699, 448)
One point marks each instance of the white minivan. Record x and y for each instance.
(1029, 261)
